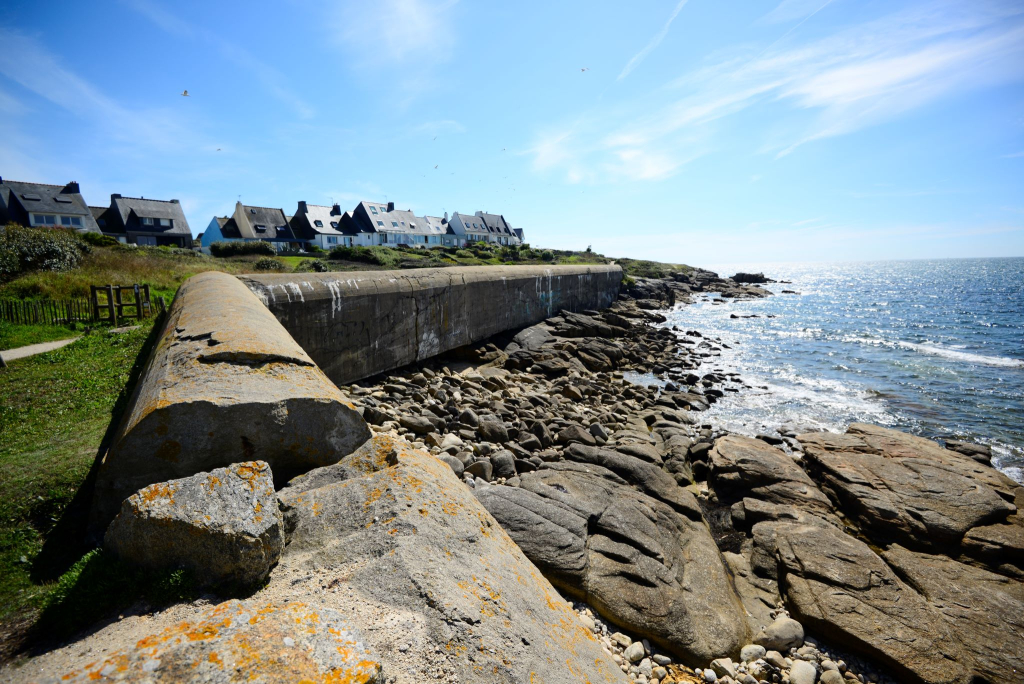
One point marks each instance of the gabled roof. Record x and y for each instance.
(436, 225)
(495, 223)
(473, 224)
(326, 216)
(150, 208)
(273, 220)
(44, 198)
(228, 227)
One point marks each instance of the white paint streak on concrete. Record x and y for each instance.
(297, 291)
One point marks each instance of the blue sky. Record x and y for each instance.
(698, 131)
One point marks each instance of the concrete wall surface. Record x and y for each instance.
(357, 324)
(224, 383)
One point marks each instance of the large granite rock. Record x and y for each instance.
(984, 610)
(438, 588)
(252, 641)
(641, 563)
(745, 467)
(225, 383)
(223, 526)
(906, 489)
(836, 586)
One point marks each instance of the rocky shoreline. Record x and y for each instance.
(701, 547)
(573, 456)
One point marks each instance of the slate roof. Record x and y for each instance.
(326, 216)
(468, 220)
(150, 208)
(228, 227)
(495, 223)
(434, 225)
(19, 197)
(276, 223)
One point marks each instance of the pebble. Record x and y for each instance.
(634, 652)
(803, 673)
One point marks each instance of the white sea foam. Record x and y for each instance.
(965, 357)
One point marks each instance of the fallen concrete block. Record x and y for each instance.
(225, 383)
(223, 526)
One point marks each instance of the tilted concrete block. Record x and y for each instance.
(225, 383)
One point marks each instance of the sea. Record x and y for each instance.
(930, 347)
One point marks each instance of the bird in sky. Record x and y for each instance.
(585, 69)
(435, 137)
(184, 93)
(218, 149)
(435, 166)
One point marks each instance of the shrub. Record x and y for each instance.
(267, 264)
(315, 265)
(228, 249)
(547, 255)
(99, 239)
(464, 254)
(314, 249)
(380, 256)
(38, 249)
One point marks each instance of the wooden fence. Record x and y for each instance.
(105, 304)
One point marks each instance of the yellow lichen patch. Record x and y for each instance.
(154, 492)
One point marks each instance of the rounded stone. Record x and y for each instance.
(752, 652)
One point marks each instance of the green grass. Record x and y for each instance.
(14, 335)
(56, 409)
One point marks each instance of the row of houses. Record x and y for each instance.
(142, 221)
(135, 220)
(369, 224)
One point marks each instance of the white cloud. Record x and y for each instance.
(854, 77)
(652, 44)
(396, 31)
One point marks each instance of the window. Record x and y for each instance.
(146, 221)
(260, 229)
(373, 209)
(403, 223)
(394, 223)
(380, 223)
(318, 223)
(44, 219)
(334, 224)
(332, 240)
(165, 223)
(65, 220)
(384, 210)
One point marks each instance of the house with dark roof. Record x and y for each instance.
(499, 229)
(322, 225)
(470, 228)
(379, 223)
(250, 223)
(39, 204)
(141, 221)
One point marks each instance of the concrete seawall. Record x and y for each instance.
(225, 383)
(357, 324)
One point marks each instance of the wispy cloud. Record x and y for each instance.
(272, 80)
(652, 44)
(1014, 155)
(25, 61)
(391, 32)
(841, 82)
(790, 10)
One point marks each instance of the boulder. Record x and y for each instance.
(907, 489)
(224, 383)
(836, 586)
(982, 453)
(741, 466)
(260, 640)
(781, 635)
(223, 526)
(575, 434)
(436, 585)
(985, 611)
(504, 464)
(640, 563)
(491, 429)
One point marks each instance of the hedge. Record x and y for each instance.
(38, 249)
(240, 248)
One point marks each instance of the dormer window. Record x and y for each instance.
(318, 223)
(373, 209)
(260, 229)
(380, 223)
(334, 224)
(164, 223)
(394, 223)
(252, 211)
(73, 221)
(147, 221)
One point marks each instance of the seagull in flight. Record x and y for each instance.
(435, 166)
(218, 149)
(585, 69)
(184, 93)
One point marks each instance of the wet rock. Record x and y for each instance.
(640, 563)
(223, 526)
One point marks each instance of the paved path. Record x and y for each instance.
(33, 349)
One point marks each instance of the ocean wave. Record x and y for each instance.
(966, 357)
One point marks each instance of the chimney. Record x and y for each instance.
(302, 207)
(446, 217)
(336, 209)
(72, 187)
(391, 206)
(114, 196)
(175, 202)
